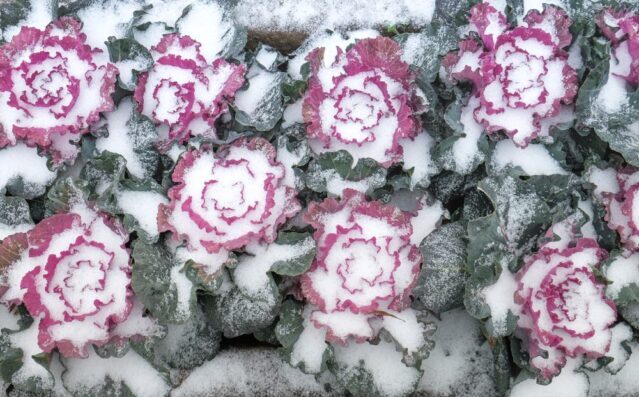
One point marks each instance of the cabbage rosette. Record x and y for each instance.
(53, 86)
(183, 94)
(73, 271)
(365, 264)
(520, 75)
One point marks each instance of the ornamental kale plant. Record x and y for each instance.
(445, 203)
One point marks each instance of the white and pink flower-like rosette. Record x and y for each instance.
(563, 308)
(227, 199)
(73, 272)
(183, 94)
(53, 86)
(363, 101)
(365, 265)
(521, 76)
(622, 29)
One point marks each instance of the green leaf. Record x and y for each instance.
(14, 212)
(102, 175)
(13, 13)
(288, 330)
(440, 286)
(236, 312)
(131, 57)
(260, 105)
(135, 221)
(32, 377)
(619, 127)
(130, 134)
(428, 46)
(339, 165)
(189, 345)
(304, 244)
(64, 194)
(161, 284)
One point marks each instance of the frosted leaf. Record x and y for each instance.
(131, 58)
(28, 182)
(260, 105)
(440, 286)
(162, 283)
(15, 216)
(534, 159)
(418, 160)
(132, 136)
(99, 376)
(247, 371)
(464, 151)
(34, 13)
(461, 362)
(367, 369)
(334, 172)
(569, 383)
(622, 274)
(23, 358)
(107, 18)
(411, 333)
(500, 298)
(189, 345)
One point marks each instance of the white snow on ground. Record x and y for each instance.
(247, 372)
(311, 15)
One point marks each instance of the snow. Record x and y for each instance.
(567, 384)
(383, 362)
(184, 291)
(36, 177)
(247, 372)
(621, 332)
(465, 150)
(313, 15)
(418, 158)
(427, 218)
(250, 275)
(605, 181)
(39, 17)
(461, 363)
(406, 329)
(7, 230)
(500, 298)
(310, 346)
(330, 41)
(293, 114)
(125, 136)
(102, 20)
(622, 272)
(534, 159)
(143, 206)
(261, 85)
(207, 23)
(27, 341)
(85, 376)
(8, 319)
(624, 383)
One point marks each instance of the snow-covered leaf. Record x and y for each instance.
(161, 283)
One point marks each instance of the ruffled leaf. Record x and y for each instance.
(161, 283)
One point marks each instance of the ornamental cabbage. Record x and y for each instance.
(53, 86)
(73, 271)
(364, 101)
(227, 199)
(563, 309)
(520, 75)
(365, 264)
(183, 93)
